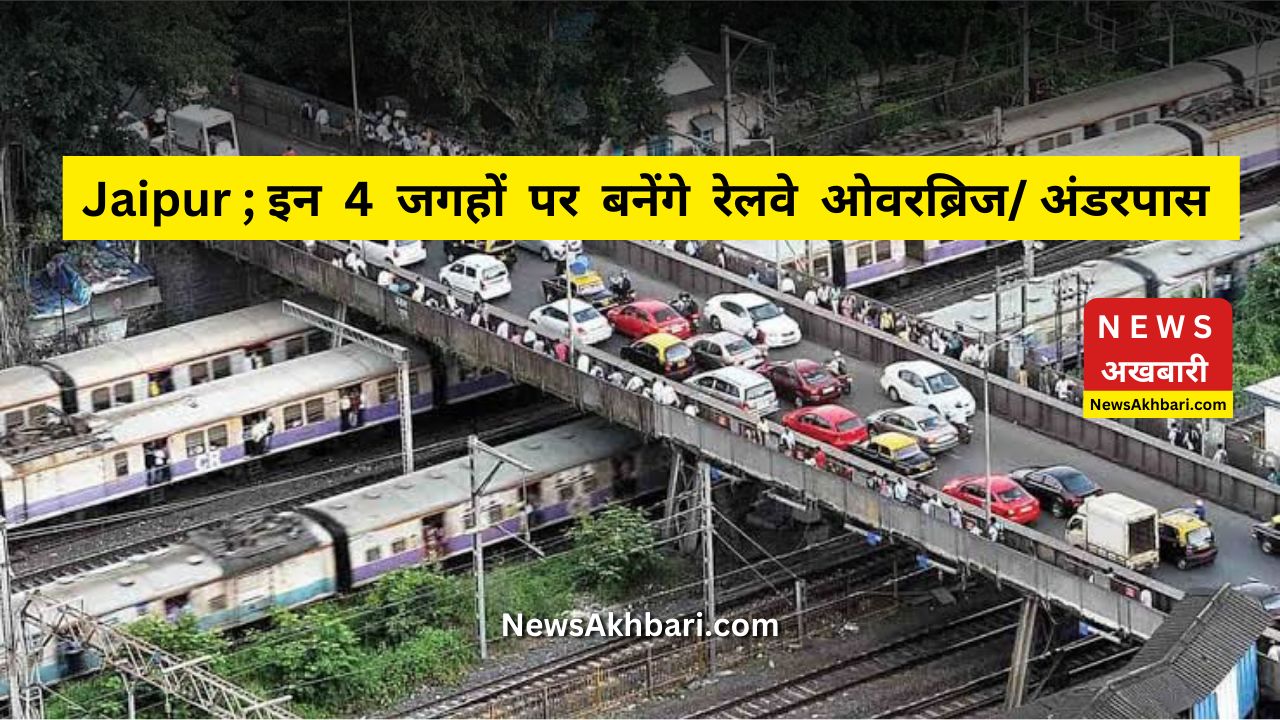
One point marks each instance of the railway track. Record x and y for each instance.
(560, 688)
(38, 569)
(887, 660)
(1076, 662)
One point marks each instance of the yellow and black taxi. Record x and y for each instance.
(504, 250)
(900, 453)
(661, 353)
(1185, 539)
(588, 286)
(1267, 535)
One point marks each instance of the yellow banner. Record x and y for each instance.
(610, 198)
(1179, 404)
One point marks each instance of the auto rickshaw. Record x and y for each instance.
(1185, 539)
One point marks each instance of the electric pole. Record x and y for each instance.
(708, 560)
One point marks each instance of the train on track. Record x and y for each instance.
(193, 430)
(155, 363)
(240, 572)
(1157, 269)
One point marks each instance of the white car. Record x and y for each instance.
(924, 384)
(589, 325)
(752, 316)
(482, 276)
(400, 253)
(550, 250)
(738, 386)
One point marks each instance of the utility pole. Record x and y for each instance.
(1026, 53)
(1079, 322)
(474, 448)
(726, 35)
(1057, 321)
(708, 560)
(400, 354)
(355, 96)
(11, 625)
(999, 290)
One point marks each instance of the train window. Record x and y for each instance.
(13, 419)
(195, 443)
(373, 554)
(199, 373)
(318, 341)
(36, 414)
(414, 384)
(101, 398)
(1045, 144)
(292, 415)
(295, 347)
(1064, 139)
(217, 437)
(123, 392)
(398, 546)
(468, 520)
(1140, 118)
(386, 390)
(565, 491)
(589, 484)
(121, 461)
(862, 254)
(217, 603)
(1092, 131)
(884, 250)
(495, 514)
(1123, 123)
(315, 410)
(221, 367)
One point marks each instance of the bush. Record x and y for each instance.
(614, 550)
(404, 603)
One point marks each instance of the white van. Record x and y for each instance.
(400, 253)
(550, 250)
(738, 386)
(483, 276)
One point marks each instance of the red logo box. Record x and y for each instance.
(1124, 336)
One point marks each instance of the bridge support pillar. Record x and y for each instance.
(1016, 689)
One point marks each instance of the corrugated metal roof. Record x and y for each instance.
(1195, 648)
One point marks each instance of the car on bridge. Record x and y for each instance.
(504, 250)
(661, 353)
(725, 349)
(588, 325)
(645, 317)
(588, 286)
(1185, 539)
(934, 434)
(738, 386)
(1009, 500)
(804, 382)
(925, 384)
(752, 316)
(481, 276)
(897, 452)
(1061, 488)
(551, 250)
(1268, 535)
(834, 425)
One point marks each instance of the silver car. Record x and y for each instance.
(928, 428)
(723, 349)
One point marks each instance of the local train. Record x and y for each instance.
(155, 363)
(1250, 73)
(238, 573)
(1166, 268)
(98, 457)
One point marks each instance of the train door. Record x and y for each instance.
(530, 504)
(175, 606)
(258, 429)
(351, 406)
(159, 383)
(253, 592)
(433, 538)
(258, 356)
(914, 250)
(156, 458)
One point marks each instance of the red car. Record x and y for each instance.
(1008, 499)
(643, 318)
(832, 424)
(804, 382)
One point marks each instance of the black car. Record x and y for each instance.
(588, 288)
(1061, 488)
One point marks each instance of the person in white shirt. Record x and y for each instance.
(476, 319)
(811, 296)
(691, 410)
(530, 337)
(753, 276)
(504, 329)
(419, 292)
(787, 440)
(1220, 455)
(322, 118)
(385, 278)
(584, 363)
(635, 384)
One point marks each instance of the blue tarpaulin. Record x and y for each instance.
(58, 289)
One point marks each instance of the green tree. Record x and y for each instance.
(314, 655)
(1257, 327)
(406, 602)
(614, 550)
(101, 696)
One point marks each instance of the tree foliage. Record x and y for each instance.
(407, 602)
(614, 550)
(1257, 327)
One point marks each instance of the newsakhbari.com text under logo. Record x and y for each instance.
(644, 625)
